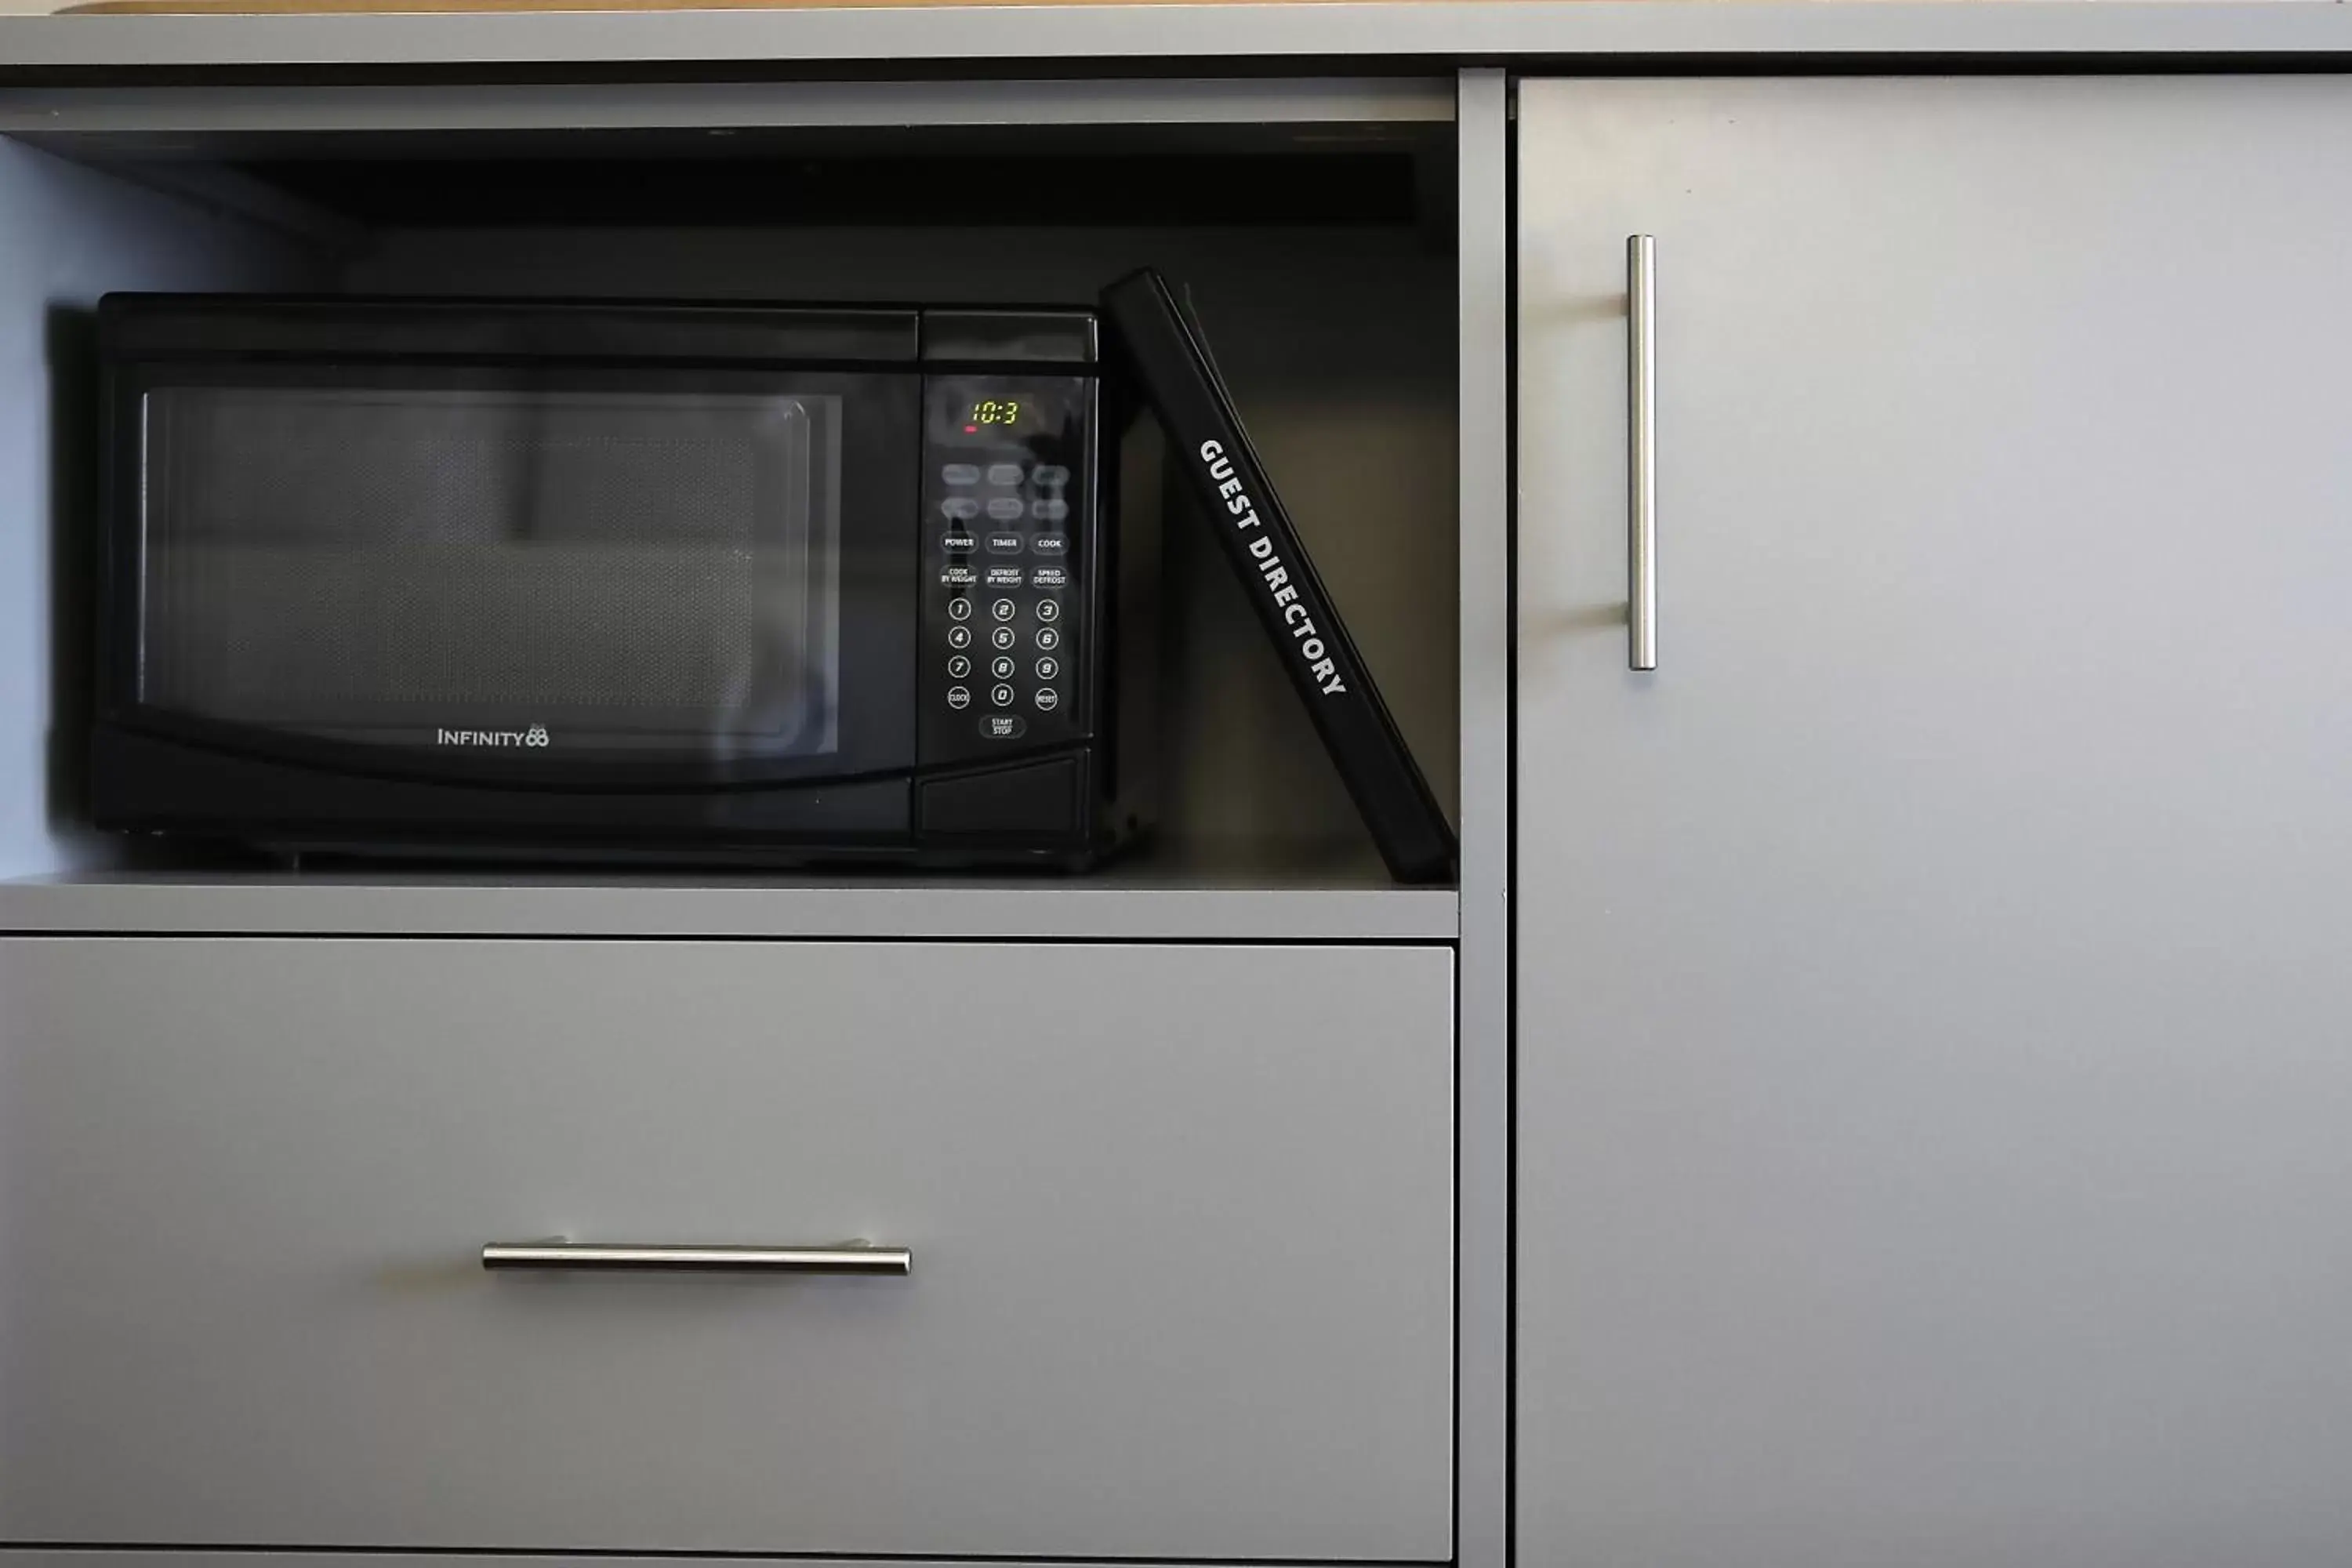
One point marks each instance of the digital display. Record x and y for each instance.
(1003, 412)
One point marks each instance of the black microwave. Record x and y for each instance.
(547, 577)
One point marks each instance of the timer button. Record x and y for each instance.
(1003, 474)
(1005, 544)
(959, 509)
(1049, 511)
(961, 473)
(1004, 508)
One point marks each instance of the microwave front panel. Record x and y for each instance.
(648, 577)
(1009, 553)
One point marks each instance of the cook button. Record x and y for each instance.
(1048, 544)
(1004, 726)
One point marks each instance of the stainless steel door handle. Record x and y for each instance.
(1642, 450)
(852, 1258)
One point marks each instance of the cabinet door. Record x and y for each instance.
(1181, 1221)
(1935, 1052)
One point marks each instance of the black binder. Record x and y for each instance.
(1168, 359)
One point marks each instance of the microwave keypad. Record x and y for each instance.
(1004, 570)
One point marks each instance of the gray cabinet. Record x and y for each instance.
(1935, 1040)
(1182, 1222)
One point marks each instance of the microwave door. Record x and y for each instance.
(1167, 353)
(582, 577)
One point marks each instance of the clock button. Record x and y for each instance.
(959, 696)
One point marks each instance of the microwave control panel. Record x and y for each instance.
(1008, 529)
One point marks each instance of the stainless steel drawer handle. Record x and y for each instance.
(1642, 450)
(853, 1257)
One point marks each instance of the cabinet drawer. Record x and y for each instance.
(1180, 1218)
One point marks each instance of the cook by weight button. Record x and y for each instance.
(1005, 544)
(958, 697)
(1050, 476)
(1048, 637)
(961, 666)
(1050, 543)
(961, 473)
(1049, 511)
(1004, 508)
(1047, 610)
(1004, 726)
(1048, 700)
(958, 636)
(954, 573)
(959, 509)
(1000, 695)
(959, 608)
(1003, 474)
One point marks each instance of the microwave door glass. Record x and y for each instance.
(623, 575)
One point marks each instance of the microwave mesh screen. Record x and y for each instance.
(624, 570)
